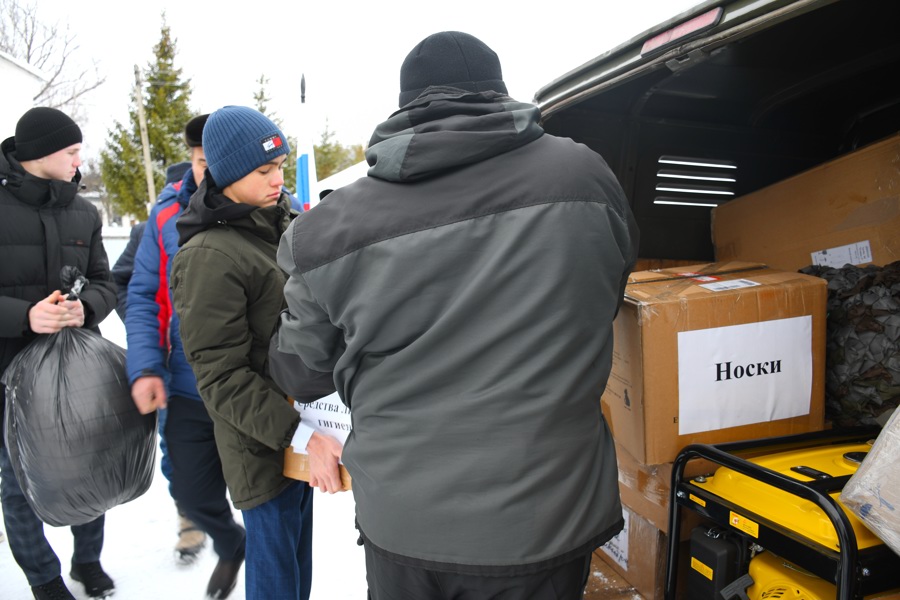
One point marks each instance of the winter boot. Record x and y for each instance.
(55, 589)
(224, 577)
(96, 582)
(190, 540)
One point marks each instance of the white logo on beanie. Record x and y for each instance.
(272, 143)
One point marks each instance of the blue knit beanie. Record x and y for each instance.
(237, 140)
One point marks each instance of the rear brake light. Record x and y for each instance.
(708, 19)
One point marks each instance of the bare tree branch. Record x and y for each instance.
(49, 48)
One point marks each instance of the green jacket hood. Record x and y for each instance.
(209, 206)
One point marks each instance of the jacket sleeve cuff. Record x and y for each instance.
(26, 326)
(301, 437)
(14, 317)
(88, 315)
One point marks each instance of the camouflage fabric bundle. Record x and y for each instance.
(862, 374)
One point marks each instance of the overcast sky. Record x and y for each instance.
(350, 51)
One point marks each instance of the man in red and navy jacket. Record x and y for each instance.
(161, 377)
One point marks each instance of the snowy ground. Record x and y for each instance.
(140, 536)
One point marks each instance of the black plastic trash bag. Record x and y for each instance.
(76, 442)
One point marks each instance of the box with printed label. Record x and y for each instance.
(846, 211)
(715, 353)
(638, 554)
(327, 416)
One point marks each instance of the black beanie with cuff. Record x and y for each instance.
(450, 58)
(41, 131)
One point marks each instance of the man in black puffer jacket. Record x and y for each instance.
(46, 225)
(462, 295)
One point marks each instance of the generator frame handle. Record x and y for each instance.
(846, 580)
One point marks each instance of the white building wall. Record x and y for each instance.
(21, 83)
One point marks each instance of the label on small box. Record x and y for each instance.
(722, 286)
(617, 547)
(327, 415)
(859, 253)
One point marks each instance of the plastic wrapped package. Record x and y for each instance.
(873, 492)
(77, 443)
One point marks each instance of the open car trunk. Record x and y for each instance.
(728, 98)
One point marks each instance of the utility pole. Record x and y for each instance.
(307, 191)
(145, 140)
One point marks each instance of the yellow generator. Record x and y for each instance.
(775, 527)
(777, 579)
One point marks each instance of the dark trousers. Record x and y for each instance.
(390, 581)
(25, 532)
(197, 483)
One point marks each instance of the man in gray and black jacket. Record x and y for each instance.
(462, 296)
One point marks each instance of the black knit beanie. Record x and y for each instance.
(450, 58)
(42, 131)
(193, 131)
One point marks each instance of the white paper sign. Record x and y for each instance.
(327, 415)
(617, 547)
(852, 254)
(744, 374)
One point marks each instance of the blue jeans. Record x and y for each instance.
(25, 532)
(279, 546)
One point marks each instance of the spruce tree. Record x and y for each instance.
(166, 97)
(333, 157)
(262, 99)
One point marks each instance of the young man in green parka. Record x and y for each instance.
(228, 292)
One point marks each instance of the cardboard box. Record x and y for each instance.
(844, 211)
(645, 489)
(715, 353)
(639, 555)
(296, 466)
(604, 582)
(655, 264)
(328, 416)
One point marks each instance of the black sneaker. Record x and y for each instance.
(54, 589)
(96, 582)
(224, 577)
